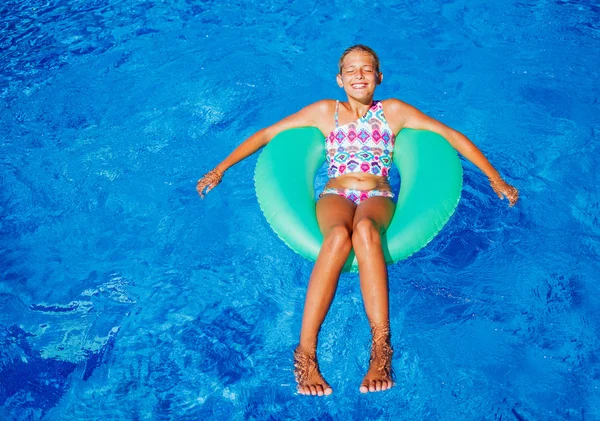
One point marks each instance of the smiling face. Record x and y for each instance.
(359, 75)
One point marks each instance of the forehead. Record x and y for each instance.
(358, 58)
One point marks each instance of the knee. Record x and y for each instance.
(366, 232)
(338, 238)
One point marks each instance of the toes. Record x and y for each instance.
(372, 386)
(319, 390)
(375, 385)
(315, 390)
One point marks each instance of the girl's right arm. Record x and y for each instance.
(311, 116)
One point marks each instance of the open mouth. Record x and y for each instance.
(359, 85)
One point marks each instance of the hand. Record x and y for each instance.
(209, 181)
(502, 188)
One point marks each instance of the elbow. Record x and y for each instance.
(260, 138)
(458, 140)
(455, 135)
(265, 135)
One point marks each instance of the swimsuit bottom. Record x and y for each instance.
(358, 196)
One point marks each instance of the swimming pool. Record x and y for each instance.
(123, 296)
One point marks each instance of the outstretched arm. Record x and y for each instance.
(402, 115)
(309, 116)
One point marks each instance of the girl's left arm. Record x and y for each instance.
(401, 115)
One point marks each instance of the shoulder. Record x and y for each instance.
(397, 113)
(321, 112)
(401, 111)
(318, 110)
(402, 115)
(322, 106)
(312, 115)
(395, 106)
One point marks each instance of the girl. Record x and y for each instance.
(356, 205)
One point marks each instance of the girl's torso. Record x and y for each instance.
(359, 154)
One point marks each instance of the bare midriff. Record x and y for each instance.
(359, 181)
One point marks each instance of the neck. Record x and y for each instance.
(359, 107)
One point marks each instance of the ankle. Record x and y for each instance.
(308, 344)
(305, 364)
(381, 344)
(380, 333)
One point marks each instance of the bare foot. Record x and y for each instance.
(308, 376)
(379, 376)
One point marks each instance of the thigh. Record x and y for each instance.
(378, 209)
(334, 210)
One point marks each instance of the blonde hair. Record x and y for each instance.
(364, 49)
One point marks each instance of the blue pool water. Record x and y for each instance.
(123, 296)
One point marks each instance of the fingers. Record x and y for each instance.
(503, 189)
(200, 187)
(208, 182)
(513, 198)
(498, 192)
(210, 187)
(204, 186)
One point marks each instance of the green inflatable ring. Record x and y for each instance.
(430, 172)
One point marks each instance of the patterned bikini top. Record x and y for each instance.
(363, 146)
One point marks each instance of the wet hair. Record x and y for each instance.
(364, 49)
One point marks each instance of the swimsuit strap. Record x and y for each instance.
(337, 103)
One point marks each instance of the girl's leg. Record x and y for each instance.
(335, 215)
(372, 217)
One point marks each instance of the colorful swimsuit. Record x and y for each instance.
(362, 146)
(358, 196)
